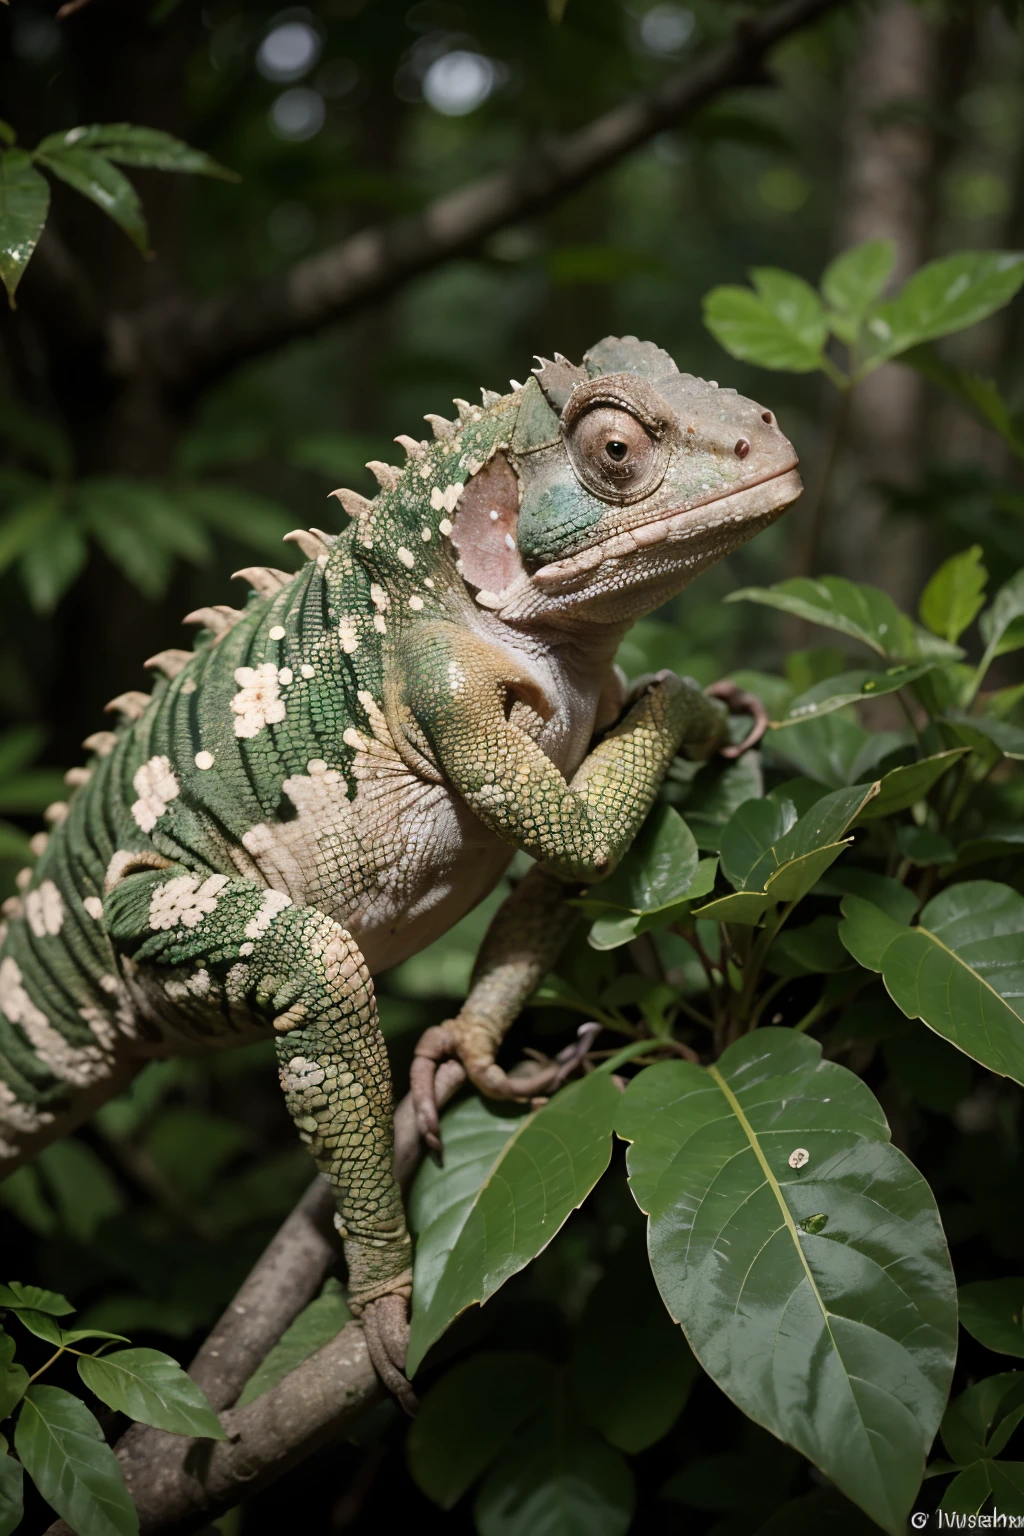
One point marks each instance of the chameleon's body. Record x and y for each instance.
(337, 774)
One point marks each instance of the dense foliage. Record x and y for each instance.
(807, 972)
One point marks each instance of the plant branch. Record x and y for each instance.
(192, 346)
(175, 1480)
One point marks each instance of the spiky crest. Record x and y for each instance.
(169, 662)
(265, 580)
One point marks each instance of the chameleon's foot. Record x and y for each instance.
(526, 1082)
(739, 702)
(386, 1326)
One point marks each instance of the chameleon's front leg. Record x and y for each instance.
(458, 705)
(216, 946)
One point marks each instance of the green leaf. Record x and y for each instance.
(839, 1338)
(616, 928)
(852, 688)
(905, 786)
(467, 1418)
(781, 325)
(656, 871)
(254, 521)
(17, 1297)
(999, 627)
(94, 177)
(812, 950)
(961, 971)
(632, 1371)
(991, 739)
(24, 204)
(943, 296)
(991, 1311)
(12, 1479)
(82, 1187)
(981, 1420)
(923, 847)
(25, 523)
(1002, 1481)
(852, 283)
(507, 1185)
(36, 439)
(750, 832)
(52, 563)
(862, 612)
(712, 794)
(557, 1478)
(981, 397)
(63, 1451)
(955, 595)
(151, 1388)
(147, 148)
(816, 831)
(316, 1325)
(13, 1377)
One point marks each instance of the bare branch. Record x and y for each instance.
(194, 347)
(173, 1479)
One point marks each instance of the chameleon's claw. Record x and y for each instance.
(526, 1083)
(740, 702)
(386, 1326)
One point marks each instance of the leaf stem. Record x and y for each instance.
(48, 1363)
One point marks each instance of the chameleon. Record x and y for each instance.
(339, 771)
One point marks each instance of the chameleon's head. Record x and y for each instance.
(630, 478)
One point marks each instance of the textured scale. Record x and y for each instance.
(344, 766)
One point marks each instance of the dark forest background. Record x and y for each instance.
(164, 421)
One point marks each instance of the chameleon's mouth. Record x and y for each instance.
(757, 502)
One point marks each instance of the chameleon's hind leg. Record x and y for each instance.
(218, 947)
(523, 942)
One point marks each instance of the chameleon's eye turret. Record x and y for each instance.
(617, 449)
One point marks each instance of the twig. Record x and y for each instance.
(191, 346)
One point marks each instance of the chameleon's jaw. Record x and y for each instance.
(691, 536)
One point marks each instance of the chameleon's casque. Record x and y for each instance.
(341, 770)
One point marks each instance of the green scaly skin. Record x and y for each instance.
(339, 772)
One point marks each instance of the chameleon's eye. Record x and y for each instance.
(613, 453)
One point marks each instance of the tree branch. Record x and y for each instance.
(175, 1480)
(194, 346)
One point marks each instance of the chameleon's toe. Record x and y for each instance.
(434, 1046)
(739, 702)
(386, 1326)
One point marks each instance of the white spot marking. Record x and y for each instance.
(415, 603)
(156, 785)
(277, 632)
(204, 759)
(271, 904)
(44, 909)
(799, 1157)
(258, 702)
(94, 908)
(185, 901)
(406, 556)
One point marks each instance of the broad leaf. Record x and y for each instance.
(103, 184)
(981, 1420)
(852, 283)
(51, 564)
(750, 832)
(1002, 1481)
(632, 1371)
(18, 1296)
(992, 1311)
(557, 1478)
(468, 1417)
(852, 688)
(316, 1325)
(1000, 624)
(13, 1377)
(614, 928)
(838, 1335)
(151, 1388)
(712, 794)
(816, 830)
(944, 296)
(961, 970)
(24, 204)
(63, 1451)
(862, 612)
(12, 1479)
(782, 325)
(508, 1184)
(147, 148)
(978, 395)
(955, 595)
(990, 738)
(903, 787)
